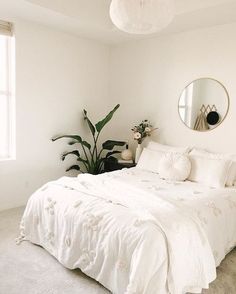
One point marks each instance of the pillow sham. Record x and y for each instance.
(209, 171)
(166, 148)
(150, 160)
(174, 167)
(232, 171)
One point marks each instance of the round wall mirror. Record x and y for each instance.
(203, 104)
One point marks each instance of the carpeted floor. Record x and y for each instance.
(29, 269)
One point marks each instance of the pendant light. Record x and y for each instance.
(141, 16)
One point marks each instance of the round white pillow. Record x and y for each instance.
(174, 167)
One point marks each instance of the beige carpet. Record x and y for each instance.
(29, 269)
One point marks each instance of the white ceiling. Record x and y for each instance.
(90, 18)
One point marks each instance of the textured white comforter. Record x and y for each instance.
(132, 231)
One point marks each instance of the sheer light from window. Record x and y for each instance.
(7, 99)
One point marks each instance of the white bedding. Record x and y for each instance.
(132, 231)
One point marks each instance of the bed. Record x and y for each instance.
(134, 232)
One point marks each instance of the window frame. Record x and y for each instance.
(9, 93)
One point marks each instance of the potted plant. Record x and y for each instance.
(91, 157)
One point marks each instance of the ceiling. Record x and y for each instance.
(90, 18)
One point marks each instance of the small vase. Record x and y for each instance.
(138, 153)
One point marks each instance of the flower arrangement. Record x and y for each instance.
(143, 130)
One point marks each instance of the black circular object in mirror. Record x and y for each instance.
(213, 118)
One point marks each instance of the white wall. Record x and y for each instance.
(57, 75)
(148, 76)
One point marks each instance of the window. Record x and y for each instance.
(185, 104)
(7, 116)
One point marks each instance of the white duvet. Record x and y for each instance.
(132, 231)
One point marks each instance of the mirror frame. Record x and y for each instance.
(226, 114)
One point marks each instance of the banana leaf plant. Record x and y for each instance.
(93, 157)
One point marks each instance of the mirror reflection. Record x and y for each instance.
(203, 104)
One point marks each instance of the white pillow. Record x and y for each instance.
(150, 160)
(174, 167)
(232, 171)
(166, 148)
(209, 171)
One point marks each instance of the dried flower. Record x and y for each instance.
(142, 131)
(137, 135)
(147, 130)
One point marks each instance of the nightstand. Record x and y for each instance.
(115, 165)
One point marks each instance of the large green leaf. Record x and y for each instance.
(74, 137)
(86, 144)
(91, 126)
(99, 126)
(77, 139)
(72, 142)
(112, 153)
(73, 167)
(75, 152)
(82, 160)
(110, 144)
